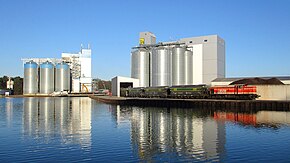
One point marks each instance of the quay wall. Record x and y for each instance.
(233, 105)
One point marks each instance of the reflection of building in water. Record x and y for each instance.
(69, 118)
(9, 111)
(255, 119)
(274, 117)
(158, 130)
(122, 116)
(81, 119)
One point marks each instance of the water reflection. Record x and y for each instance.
(259, 119)
(9, 112)
(80, 129)
(182, 132)
(67, 118)
(190, 133)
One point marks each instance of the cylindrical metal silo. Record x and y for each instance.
(178, 66)
(140, 66)
(188, 55)
(161, 67)
(62, 77)
(30, 82)
(46, 78)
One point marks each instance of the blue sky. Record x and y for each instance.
(257, 32)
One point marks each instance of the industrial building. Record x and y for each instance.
(119, 82)
(194, 60)
(71, 73)
(272, 91)
(187, 61)
(81, 69)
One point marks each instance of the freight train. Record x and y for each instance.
(235, 92)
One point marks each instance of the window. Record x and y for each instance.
(204, 40)
(190, 42)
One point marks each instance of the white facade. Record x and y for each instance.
(208, 58)
(116, 84)
(81, 69)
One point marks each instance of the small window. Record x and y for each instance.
(190, 42)
(204, 40)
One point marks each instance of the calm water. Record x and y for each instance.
(82, 130)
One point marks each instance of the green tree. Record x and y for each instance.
(3, 82)
(18, 85)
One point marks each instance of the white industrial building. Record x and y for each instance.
(81, 69)
(119, 82)
(71, 73)
(187, 61)
(208, 58)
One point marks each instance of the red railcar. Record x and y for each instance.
(234, 92)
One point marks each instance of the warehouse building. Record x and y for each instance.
(119, 82)
(268, 88)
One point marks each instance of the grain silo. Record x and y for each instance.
(30, 82)
(62, 77)
(140, 66)
(178, 65)
(161, 66)
(46, 78)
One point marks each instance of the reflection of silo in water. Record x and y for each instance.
(62, 113)
(165, 128)
(46, 115)
(178, 132)
(156, 130)
(162, 132)
(30, 115)
(141, 131)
